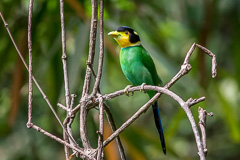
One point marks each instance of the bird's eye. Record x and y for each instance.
(126, 32)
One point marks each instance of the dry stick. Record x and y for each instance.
(189, 114)
(101, 54)
(61, 141)
(96, 88)
(73, 96)
(202, 115)
(64, 55)
(100, 153)
(86, 86)
(65, 71)
(34, 80)
(30, 89)
(62, 106)
(92, 42)
(113, 127)
(214, 61)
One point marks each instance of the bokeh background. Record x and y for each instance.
(167, 30)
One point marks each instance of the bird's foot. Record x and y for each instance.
(126, 90)
(142, 87)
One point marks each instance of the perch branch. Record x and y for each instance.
(143, 108)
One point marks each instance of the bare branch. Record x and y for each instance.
(65, 71)
(101, 54)
(73, 96)
(192, 102)
(113, 127)
(100, 154)
(64, 55)
(92, 42)
(202, 115)
(30, 89)
(189, 114)
(214, 61)
(62, 106)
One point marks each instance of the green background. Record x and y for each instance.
(167, 30)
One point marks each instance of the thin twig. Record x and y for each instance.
(62, 106)
(101, 54)
(92, 42)
(189, 114)
(64, 55)
(73, 96)
(30, 89)
(100, 153)
(202, 115)
(65, 71)
(113, 127)
(214, 60)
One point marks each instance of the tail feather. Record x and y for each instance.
(158, 124)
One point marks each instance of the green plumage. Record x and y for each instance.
(138, 67)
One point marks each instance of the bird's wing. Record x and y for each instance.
(149, 64)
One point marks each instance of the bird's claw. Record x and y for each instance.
(126, 90)
(142, 87)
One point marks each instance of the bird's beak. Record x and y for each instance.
(114, 34)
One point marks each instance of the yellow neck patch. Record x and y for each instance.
(123, 40)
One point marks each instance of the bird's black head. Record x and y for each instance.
(125, 36)
(133, 36)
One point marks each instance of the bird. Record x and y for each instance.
(138, 67)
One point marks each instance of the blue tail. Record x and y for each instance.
(158, 124)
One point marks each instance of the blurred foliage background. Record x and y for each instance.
(167, 30)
